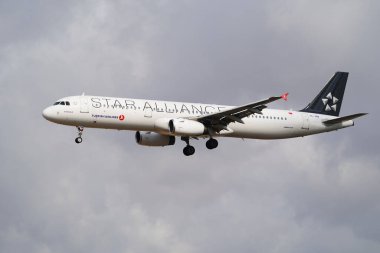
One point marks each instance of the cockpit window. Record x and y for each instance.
(62, 103)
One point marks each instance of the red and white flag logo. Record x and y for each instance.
(121, 117)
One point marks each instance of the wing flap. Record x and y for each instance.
(234, 118)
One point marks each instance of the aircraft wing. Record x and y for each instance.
(219, 121)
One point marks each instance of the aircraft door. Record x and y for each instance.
(305, 121)
(84, 105)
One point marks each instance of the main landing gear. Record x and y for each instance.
(190, 150)
(80, 132)
(211, 143)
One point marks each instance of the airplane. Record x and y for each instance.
(158, 123)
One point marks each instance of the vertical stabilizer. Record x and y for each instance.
(329, 100)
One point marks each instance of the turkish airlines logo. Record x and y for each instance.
(121, 117)
(330, 102)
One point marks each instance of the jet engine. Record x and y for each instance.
(185, 127)
(181, 127)
(154, 139)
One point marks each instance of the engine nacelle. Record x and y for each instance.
(182, 127)
(185, 127)
(154, 139)
(162, 125)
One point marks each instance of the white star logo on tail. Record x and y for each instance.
(332, 106)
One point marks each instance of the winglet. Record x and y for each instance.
(285, 96)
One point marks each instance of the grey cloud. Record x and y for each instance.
(310, 194)
(23, 22)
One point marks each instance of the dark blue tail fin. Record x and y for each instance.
(329, 100)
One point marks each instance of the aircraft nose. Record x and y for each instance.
(47, 113)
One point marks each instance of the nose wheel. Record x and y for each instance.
(79, 138)
(188, 150)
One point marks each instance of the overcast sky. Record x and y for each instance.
(312, 194)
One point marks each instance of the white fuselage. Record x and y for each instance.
(142, 115)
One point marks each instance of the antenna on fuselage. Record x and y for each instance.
(82, 93)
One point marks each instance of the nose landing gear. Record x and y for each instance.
(80, 132)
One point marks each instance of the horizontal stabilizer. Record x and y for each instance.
(342, 119)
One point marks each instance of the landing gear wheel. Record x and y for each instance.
(80, 132)
(211, 143)
(189, 150)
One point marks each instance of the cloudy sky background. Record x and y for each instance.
(312, 194)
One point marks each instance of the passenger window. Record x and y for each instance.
(62, 103)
